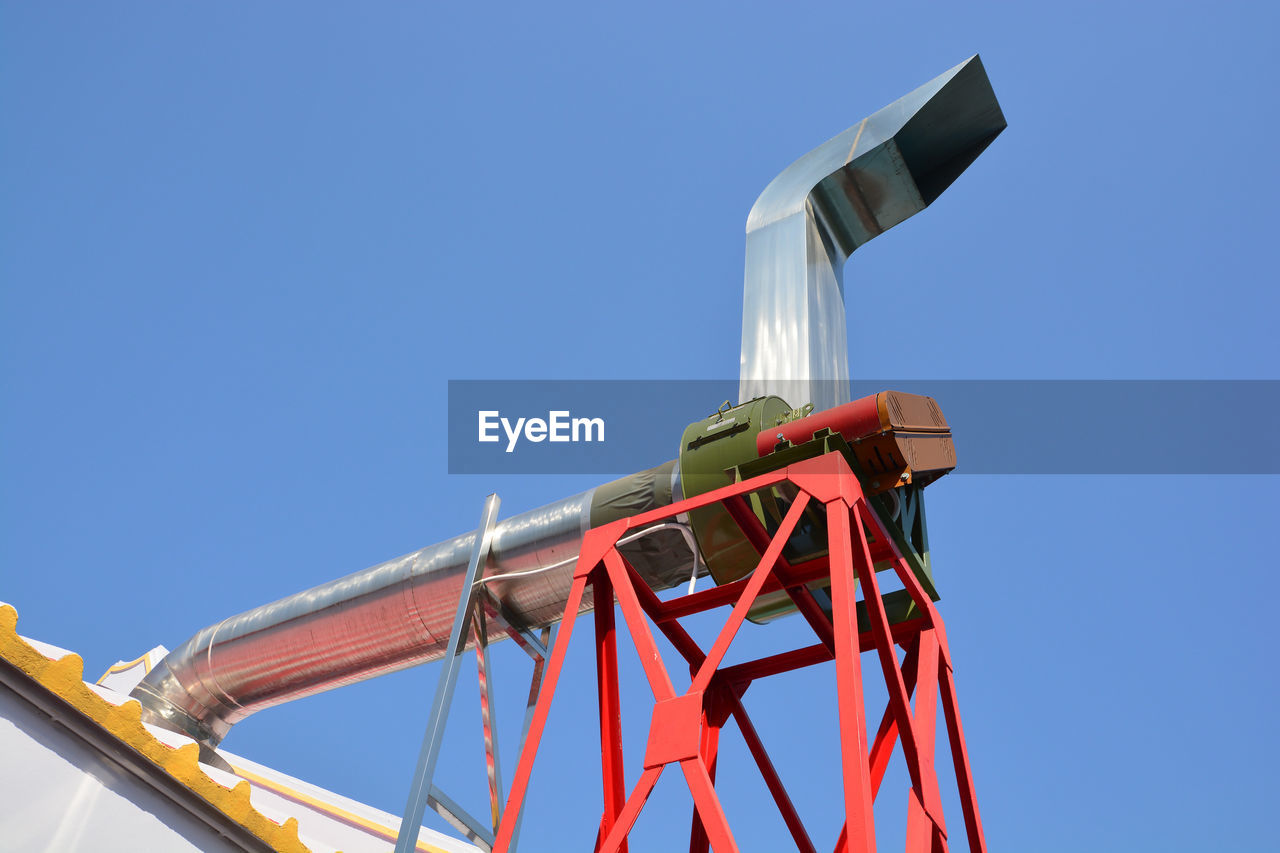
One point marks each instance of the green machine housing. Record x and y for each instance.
(895, 443)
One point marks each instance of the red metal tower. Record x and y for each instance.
(685, 729)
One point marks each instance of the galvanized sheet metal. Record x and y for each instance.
(825, 205)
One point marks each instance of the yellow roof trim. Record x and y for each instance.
(64, 678)
(145, 660)
(351, 819)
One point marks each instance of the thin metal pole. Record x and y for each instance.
(480, 631)
(459, 818)
(411, 823)
(525, 639)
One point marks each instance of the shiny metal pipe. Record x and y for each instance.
(388, 617)
(398, 614)
(822, 207)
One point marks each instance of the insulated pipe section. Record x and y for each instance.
(398, 614)
(840, 195)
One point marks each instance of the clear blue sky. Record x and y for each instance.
(241, 253)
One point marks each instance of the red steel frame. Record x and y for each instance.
(685, 729)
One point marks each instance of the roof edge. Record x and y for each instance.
(62, 681)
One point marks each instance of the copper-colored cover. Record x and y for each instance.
(911, 412)
(914, 446)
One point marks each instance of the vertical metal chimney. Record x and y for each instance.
(843, 193)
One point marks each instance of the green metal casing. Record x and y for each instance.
(710, 450)
(721, 450)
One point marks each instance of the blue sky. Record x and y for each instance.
(243, 251)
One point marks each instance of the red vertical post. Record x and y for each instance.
(860, 832)
(713, 718)
(611, 766)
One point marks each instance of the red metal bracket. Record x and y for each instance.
(685, 729)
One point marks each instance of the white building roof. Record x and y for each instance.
(82, 772)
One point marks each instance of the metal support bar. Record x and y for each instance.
(709, 811)
(411, 823)
(887, 733)
(459, 818)
(492, 765)
(524, 638)
(898, 697)
(771, 779)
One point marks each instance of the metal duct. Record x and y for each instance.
(843, 193)
(397, 614)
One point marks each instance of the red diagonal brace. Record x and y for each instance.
(506, 827)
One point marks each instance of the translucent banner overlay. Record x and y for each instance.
(1000, 426)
